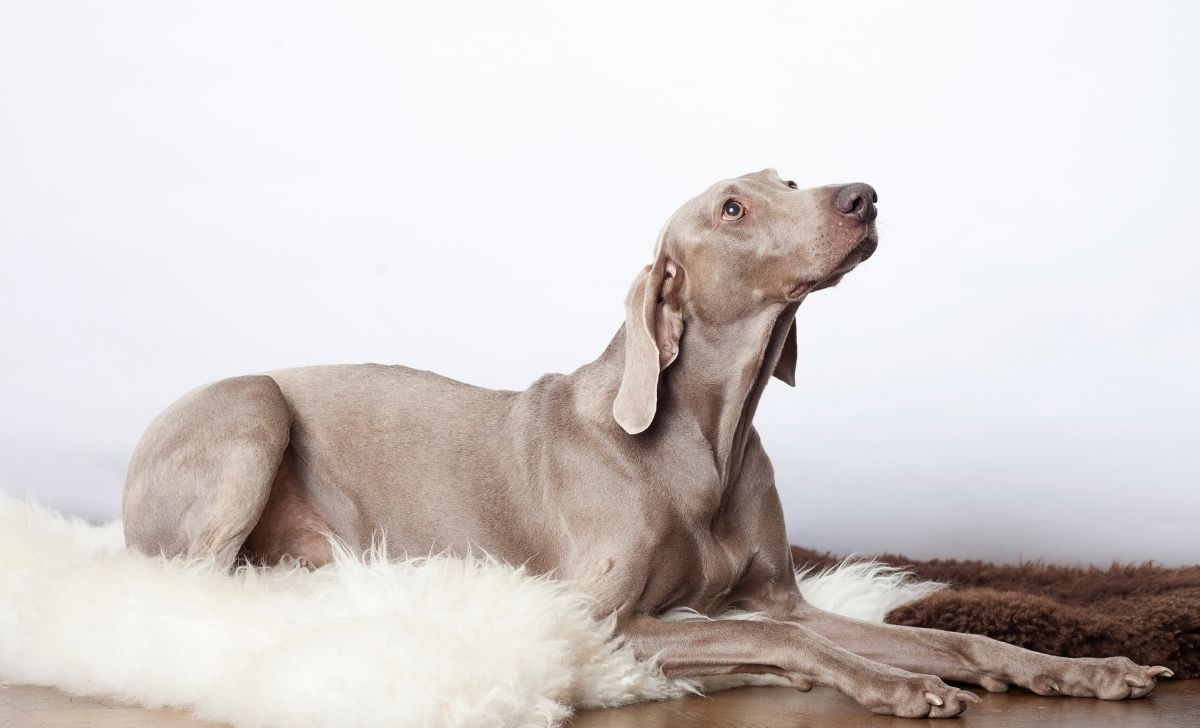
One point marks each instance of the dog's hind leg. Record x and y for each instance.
(202, 474)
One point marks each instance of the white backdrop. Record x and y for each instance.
(189, 192)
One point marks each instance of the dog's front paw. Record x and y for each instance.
(1108, 678)
(910, 695)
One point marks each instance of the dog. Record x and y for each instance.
(639, 476)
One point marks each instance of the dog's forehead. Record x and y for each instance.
(768, 175)
(765, 180)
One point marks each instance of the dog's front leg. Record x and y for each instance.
(992, 664)
(714, 647)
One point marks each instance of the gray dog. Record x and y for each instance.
(639, 476)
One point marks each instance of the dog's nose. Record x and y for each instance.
(857, 201)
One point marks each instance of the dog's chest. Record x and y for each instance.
(701, 567)
(719, 567)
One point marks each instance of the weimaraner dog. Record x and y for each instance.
(639, 476)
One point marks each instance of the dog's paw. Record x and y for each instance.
(910, 695)
(1107, 678)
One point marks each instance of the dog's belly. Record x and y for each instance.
(408, 455)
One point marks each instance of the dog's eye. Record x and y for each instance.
(792, 184)
(732, 210)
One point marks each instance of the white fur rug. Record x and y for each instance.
(363, 642)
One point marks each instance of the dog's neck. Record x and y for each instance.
(715, 383)
(719, 378)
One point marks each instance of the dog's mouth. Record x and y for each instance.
(864, 249)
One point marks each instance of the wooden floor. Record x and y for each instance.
(1173, 705)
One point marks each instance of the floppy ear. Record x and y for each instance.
(653, 326)
(785, 368)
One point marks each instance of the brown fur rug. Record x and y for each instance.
(1147, 613)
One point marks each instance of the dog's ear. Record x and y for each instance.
(785, 368)
(653, 327)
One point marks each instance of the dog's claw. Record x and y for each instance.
(1159, 671)
(1047, 685)
(1044, 684)
(967, 697)
(934, 700)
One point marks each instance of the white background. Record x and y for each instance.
(193, 191)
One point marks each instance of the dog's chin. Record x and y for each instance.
(864, 249)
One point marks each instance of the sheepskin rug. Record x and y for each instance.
(366, 641)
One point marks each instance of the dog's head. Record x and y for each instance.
(742, 247)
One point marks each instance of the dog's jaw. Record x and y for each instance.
(865, 248)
